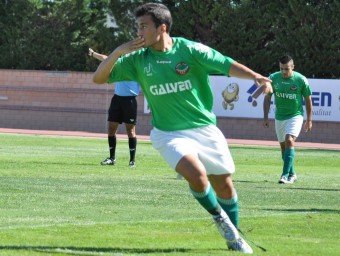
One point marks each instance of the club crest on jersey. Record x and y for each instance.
(293, 88)
(182, 68)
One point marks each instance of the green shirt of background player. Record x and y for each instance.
(289, 89)
(174, 76)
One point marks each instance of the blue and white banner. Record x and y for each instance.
(235, 97)
(240, 98)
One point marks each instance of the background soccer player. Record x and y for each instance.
(289, 89)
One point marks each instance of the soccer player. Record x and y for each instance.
(123, 108)
(289, 89)
(173, 74)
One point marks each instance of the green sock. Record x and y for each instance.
(208, 200)
(292, 170)
(230, 206)
(288, 161)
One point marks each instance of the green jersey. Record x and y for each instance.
(175, 82)
(289, 93)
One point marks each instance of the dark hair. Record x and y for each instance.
(285, 59)
(159, 13)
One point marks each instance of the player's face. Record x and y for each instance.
(286, 70)
(146, 28)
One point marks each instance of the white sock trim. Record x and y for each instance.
(201, 194)
(230, 201)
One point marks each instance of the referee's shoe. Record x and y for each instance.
(108, 161)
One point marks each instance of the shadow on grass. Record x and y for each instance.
(91, 250)
(304, 210)
(251, 181)
(321, 189)
(287, 186)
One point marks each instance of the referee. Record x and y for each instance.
(123, 109)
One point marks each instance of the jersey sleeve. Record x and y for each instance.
(212, 61)
(123, 70)
(306, 91)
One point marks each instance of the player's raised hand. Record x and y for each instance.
(265, 83)
(131, 46)
(267, 88)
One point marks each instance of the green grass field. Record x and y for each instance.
(57, 200)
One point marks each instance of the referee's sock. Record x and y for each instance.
(132, 147)
(112, 146)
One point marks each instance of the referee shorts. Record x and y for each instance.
(123, 109)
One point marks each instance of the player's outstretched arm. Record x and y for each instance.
(266, 106)
(241, 71)
(97, 55)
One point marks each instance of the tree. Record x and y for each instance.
(308, 31)
(13, 16)
(257, 33)
(51, 35)
(55, 35)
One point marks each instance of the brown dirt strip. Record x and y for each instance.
(146, 137)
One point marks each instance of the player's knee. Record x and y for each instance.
(290, 141)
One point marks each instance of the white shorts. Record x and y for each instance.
(208, 143)
(290, 126)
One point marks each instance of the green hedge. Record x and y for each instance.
(55, 35)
